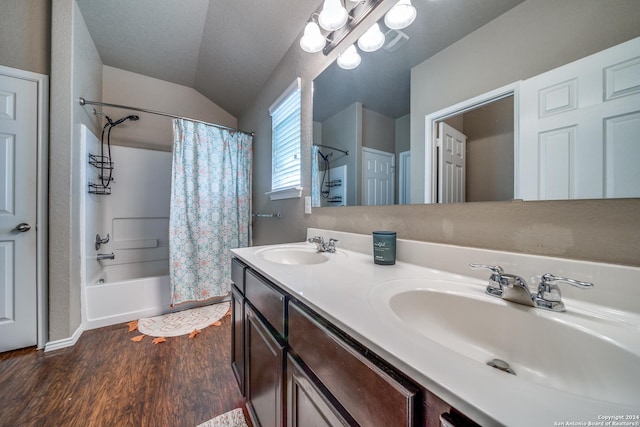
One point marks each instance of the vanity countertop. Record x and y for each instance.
(341, 290)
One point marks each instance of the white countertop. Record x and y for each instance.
(341, 291)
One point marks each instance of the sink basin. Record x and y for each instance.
(293, 255)
(575, 352)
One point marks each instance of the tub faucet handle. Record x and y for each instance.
(101, 241)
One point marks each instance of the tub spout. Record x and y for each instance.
(106, 256)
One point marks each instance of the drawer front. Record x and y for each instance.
(370, 395)
(267, 300)
(237, 274)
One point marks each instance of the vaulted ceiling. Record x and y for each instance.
(224, 49)
(227, 49)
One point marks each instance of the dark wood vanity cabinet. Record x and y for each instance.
(237, 321)
(298, 370)
(368, 390)
(439, 413)
(307, 405)
(265, 367)
(237, 338)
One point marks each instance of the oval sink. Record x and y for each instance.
(292, 255)
(574, 352)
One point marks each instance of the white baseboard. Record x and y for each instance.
(66, 342)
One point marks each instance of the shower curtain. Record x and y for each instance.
(210, 208)
(315, 176)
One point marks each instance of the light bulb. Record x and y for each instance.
(400, 16)
(372, 40)
(312, 41)
(333, 15)
(349, 59)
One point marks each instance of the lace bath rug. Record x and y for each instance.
(180, 323)
(233, 418)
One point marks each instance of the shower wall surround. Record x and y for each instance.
(136, 213)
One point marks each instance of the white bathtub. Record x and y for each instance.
(111, 299)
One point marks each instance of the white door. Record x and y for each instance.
(378, 170)
(18, 159)
(404, 177)
(579, 127)
(451, 164)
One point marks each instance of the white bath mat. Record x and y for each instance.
(233, 418)
(183, 322)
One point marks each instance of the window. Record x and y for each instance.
(285, 155)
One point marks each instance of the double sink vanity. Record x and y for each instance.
(325, 338)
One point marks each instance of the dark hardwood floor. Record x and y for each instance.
(107, 380)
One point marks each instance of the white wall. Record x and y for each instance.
(152, 131)
(25, 38)
(378, 131)
(344, 130)
(76, 70)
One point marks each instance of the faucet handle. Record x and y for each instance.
(495, 280)
(495, 269)
(549, 291)
(331, 245)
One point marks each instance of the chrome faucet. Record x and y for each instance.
(106, 256)
(323, 246)
(514, 288)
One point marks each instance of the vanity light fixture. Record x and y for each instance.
(337, 23)
(312, 41)
(333, 15)
(400, 16)
(349, 59)
(372, 40)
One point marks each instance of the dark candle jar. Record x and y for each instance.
(384, 247)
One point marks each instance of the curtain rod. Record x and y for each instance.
(159, 113)
(333, 148)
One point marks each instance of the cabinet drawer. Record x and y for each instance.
(237, 274)
(267, 300)
(370, 393)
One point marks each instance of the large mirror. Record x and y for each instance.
(363, 117)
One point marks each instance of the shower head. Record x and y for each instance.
(133, 118)
(325, 158)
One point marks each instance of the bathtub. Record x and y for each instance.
(113, 298)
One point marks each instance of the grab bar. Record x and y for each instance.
(268, 215)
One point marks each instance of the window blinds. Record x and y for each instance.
(285, 159)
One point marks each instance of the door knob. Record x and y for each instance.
(23, 227)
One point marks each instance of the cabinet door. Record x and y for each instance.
(265, 365)
(237, 338)
(370, 392)
(440, 414)
(306, 405)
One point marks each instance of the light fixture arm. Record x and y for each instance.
(356, 15)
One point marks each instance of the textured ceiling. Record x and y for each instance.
(224, 49)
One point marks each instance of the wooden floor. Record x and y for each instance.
(107, 380)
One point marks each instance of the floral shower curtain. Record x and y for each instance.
(210, 208)
(315, 176)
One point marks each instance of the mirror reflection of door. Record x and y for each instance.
(378, 183)
(489, 166)
(452, 147)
